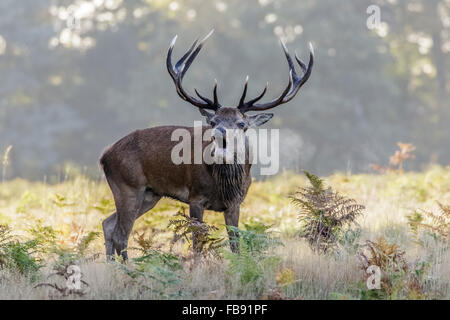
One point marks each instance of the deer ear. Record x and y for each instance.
(259, 119)
(206, 114)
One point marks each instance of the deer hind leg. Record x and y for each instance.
(128, 205)
(108, 228)
(109, 224)
(150, 200)
(135, 206)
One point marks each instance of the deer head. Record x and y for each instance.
(225, 118)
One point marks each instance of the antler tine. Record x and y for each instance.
(216, 100)
(177, 74)
(295, 83)
(169, 58)
(184, 57)
(251, 106)
(244, 93)
(279, 100)
(288, 57)
(203, 97)
(299, 81)
(261, 95)
(300, 62)
(174, 70)
(194, 54)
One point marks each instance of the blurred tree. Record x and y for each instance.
(419, 40)
(78, 74)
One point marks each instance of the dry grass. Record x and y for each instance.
(77, 206)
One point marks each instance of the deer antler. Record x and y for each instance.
(295, 83)
(177, 73)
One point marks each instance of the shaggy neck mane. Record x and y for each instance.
(229, 181)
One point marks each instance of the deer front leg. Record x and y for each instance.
(196, 211)
(108, 229)
(232, 219)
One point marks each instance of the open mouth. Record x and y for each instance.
(221, 142)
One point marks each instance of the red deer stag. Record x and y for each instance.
(139, 168)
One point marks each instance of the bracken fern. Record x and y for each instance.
(438, 224)
(324, 214)
(184, 227)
